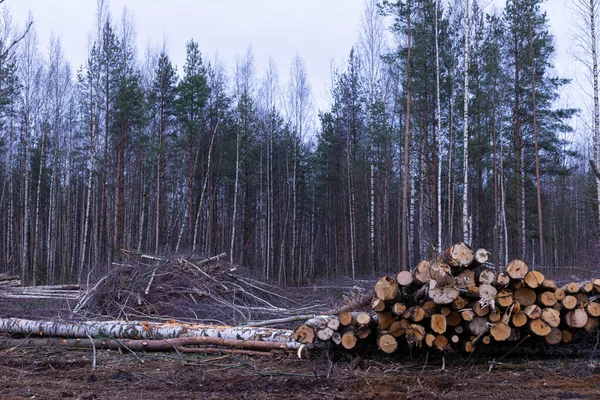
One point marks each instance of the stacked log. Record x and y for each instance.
(11, 288)
(458, 301)
(348, 329)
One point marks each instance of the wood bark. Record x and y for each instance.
(403, 248)
(182, 345)
(144, 330)
(466, 231)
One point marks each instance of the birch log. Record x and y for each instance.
(144, 330)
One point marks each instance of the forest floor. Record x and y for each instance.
(67, 374)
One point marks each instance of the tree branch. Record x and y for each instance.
(17, 40)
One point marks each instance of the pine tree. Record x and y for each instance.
(192, 96)
(162, 100)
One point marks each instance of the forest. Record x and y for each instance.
(445, 124)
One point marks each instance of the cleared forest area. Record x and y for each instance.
(201, 329)
(205, 231)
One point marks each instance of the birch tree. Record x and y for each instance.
(439, 129)
(299, 104)
(372, 45)
(244, 93)
(92, 79)
(466, 226)
(586, 24)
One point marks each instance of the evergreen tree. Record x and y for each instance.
(162, 101)
(192, 96)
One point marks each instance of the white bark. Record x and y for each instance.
(270, 86)
(299, 106)
(100, 16)
(143, 330)
(372, 215)
(371, 46)
(350, 203)
(503, 202)
(235, 196)
(451, 165)
(523, 233)
(465, 206)
(205, 184)
(439, 132)
(36, 229)
(593, 22)
(27, 66)
(586, 52)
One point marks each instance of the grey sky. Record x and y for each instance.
(321, 31)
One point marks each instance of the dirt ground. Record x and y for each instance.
(28, 373)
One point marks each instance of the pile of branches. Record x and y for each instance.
(210, 290)
(458, 302)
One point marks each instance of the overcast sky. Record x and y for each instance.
(321, 31)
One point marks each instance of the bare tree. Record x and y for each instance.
(298, 109)
(586, 20)
(244, 92)
(372, 46)
(100, 18)
(27, 71)
(270, 98)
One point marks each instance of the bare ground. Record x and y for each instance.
(67, 374)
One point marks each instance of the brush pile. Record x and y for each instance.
(459, 302)
(209, 290)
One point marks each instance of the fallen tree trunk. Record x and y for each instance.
(145, 330)
(177, 344)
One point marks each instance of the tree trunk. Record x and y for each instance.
(161, 128)
(439, 132)
(145, 330)
(465, 206)
(235, 196)
(403, 250)
(535, 135)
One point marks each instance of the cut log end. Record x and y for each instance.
(482, 256)
(459, 255)
(304, 334)
(421, 272)
(405, 278)
(378, 305)
(415, 334)
(349, 340)
(525, 296)
(438, 323)
(534, 279)
(576, 318)
(386, 288)
(500, 331)
(517, 269)
(539, 328)
(387, 343)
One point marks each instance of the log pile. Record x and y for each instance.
(11, 288)
(455, 302)
(459, 302)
